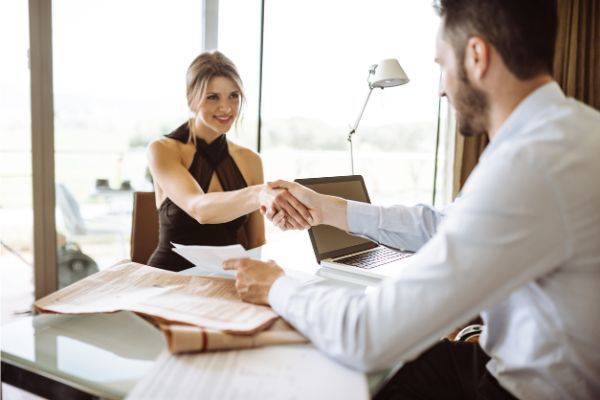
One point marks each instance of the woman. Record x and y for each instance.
(209, 189)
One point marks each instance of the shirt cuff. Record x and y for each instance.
(362, 217)
(281, 291)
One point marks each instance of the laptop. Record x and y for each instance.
(339, 250)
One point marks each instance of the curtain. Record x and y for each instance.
(577, 58)
(576, 69)
(466, 153)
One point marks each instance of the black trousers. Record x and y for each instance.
(448, 370)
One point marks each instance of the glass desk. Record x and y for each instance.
(100, 355)
(103, 355)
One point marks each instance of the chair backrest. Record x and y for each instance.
(144, 227)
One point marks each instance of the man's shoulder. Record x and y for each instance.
(568, 130)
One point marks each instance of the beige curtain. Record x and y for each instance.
(577, 60)
(466, 156)
(576, 69)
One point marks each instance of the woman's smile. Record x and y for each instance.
(224, 119)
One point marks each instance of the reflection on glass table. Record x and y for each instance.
(102, 354)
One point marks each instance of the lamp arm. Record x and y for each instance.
(353, 131)
(362, 110)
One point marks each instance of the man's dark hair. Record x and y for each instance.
(522, 31)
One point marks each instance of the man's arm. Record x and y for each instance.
(401, 227)
(497, 238)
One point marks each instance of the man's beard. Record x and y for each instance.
(472, 107)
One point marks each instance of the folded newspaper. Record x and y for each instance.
(196, 313)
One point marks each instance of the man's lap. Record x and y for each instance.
(448, 370)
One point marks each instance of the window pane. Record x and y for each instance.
(239, 39)
(315, 85)
(16, 213)
(119, 82)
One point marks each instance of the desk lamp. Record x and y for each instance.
(387, 73)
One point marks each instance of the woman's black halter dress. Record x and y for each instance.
(177, 226)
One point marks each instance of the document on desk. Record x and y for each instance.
(276, 372)
(211, 303)
(188, 339)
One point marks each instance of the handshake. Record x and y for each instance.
(289, 205)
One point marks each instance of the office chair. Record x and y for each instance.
(144, 227)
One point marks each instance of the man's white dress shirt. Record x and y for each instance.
(521, 246)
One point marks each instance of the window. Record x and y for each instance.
(239, 39)
(16, 214)
(119, 83)
(316, 61)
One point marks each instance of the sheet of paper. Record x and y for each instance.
(275, 372)
(208, 260)
(211, 303)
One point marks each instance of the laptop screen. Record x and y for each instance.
(330, 242)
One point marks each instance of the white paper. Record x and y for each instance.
(275, 372)
(208, 260)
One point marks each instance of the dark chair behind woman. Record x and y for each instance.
(144, 227)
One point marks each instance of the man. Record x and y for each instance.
(521, 245)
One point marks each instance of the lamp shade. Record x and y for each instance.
(388, 73)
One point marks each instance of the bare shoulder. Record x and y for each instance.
(244, 154)
(163, 148)
(248, 161)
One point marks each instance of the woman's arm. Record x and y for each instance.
(255, 226)
(216, 207)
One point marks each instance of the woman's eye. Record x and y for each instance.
(235, 95)
(213, 97)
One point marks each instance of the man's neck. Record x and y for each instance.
(508, 97)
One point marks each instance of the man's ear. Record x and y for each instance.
(477, 58)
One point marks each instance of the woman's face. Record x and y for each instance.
(219, 107)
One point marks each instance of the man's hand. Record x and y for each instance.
(308, 197)
(254, 278)
(279, 200)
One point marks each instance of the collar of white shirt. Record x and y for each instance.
(536, 102)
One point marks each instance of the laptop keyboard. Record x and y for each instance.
(372, 259)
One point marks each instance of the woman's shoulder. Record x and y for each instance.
(165, 147)
(248, 161)
(242, 152)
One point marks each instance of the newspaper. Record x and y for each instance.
(195, 313)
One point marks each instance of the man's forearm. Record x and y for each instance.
(334, 211)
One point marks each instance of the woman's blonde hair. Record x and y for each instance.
(206, 66)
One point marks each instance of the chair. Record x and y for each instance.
(144, 227)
